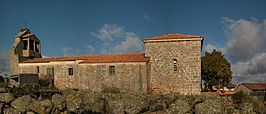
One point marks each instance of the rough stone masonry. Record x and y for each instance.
(170, 63)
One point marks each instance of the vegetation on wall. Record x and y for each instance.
(216, 70)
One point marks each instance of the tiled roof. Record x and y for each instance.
(173, 36)
(101, 58)
(255, 86)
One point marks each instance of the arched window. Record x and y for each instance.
(175, 64)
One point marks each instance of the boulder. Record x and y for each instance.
(28, 104)
(46, 106)
(179, 107)
(247, 108)
(74, 102)
(158, 112)
(127, 103)
(171, 97)
(11, 111)
(157, 106)
(59, 102)
(56, 111)
(94, 102)
(30, 112)
(6, 97)
(195, 100)
(157, 103)
(23, 103)
(162, 102)
(35, 107)
(210, 106)
(235, 111)
(116, 107)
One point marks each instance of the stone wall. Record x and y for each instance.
(92, 77)
(15, 58)
(62, 79)
(186, 79)
(31, 68)
(130, 77)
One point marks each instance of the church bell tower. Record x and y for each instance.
(26, 46)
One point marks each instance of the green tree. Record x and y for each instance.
(215, 69)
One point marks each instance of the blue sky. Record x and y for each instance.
(79, 27)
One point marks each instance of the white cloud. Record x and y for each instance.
(108, 32)
(211, 47)
(89, 49)
(146, 18)
(67, 51)
(255, 66)
(246, 40)
(246, 48)
(131, 44)
(115, 39)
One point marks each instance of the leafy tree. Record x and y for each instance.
(215, 69)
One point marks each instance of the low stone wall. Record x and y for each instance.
(117, 103)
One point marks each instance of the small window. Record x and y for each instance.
(111, 70)
(25, 44)
(37, 69)
(70, 71)
(175, 64)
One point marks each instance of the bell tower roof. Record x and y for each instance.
(26, 34)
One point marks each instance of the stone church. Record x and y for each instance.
(170, 63)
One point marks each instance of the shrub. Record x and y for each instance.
(110, 89)
(45, 82)
(23, 90)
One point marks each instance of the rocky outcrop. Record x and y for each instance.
(59, 102)
(179, 107)
(74, 101)
(23, 103)
(95, 102)
(131, 103)
(11, 111)
(45, 106)
(6, 97)
(127, 103)
(247, 108)
(210, 106)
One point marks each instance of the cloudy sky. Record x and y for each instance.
(80, 27)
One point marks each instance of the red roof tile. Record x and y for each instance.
(102, 58)
(255, 86)
(172, 36)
